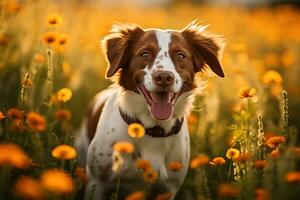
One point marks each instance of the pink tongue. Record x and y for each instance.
(161, 108)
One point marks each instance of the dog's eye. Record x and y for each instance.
(180, 56)
(145, 54)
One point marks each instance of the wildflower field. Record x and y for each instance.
(244, 128)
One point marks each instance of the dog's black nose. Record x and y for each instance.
(163, 78)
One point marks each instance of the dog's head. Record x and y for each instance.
(160, 64)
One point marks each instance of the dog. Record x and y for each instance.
(153, 71)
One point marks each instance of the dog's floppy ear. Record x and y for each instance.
(206, 48)
(117, 45)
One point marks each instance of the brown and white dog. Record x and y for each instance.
(154, 73)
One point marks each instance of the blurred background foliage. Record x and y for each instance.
(262, 52)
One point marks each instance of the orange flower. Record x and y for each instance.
(49, 38)
(273, 142)
(217, 161)
(296, 151)
(62, 39)
(18, 126)
(39, 58)
(228, 190)
(192, 119)
(274, 154)
(54, 20)
(62, 115)
(232, 153)
(165, 196)
(57, 181)
(175, 166)
(260, 164)
(2, 116)
(36, 122)
(13, 6)
(246, 92)
(136, 130)
(199, 161)
(138, 195)
(150, 176)
(64, 152)
(14, 113)
(28, 188)
(293, 177)
(261, 194)
(13, 155)
(272, 77)
(64, 95)
(243, 157)
(143, 165)
(3, 40)
(81, 174)
(123, 147)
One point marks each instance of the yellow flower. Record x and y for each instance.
(136, 130)
(175, 166)
(246, 92)
(15, 113)
(199, 161)
(260, 164)
(137, 195)
(36, 122)
(54, 20)
(81, 174)
(57, 181)
(293, 177)
(123, 147)
(49, 38)
(275, 141)
(64, 95)
(217, 161)
(165, 196)
(28, 188)
(117, 161)
(2, 116)
(150, 176)
(62, 115)
(13, 155)
(227, 190)
(272, 77)
(143, 165)
(64, 152)
(232, 153)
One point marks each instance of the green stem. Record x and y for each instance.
(229, 172)
(62, 164)
(117, 188)
(219, 174)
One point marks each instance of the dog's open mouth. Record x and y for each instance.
(161, 103)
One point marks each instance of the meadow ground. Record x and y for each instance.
(243, 129)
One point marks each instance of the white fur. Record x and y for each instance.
(162, 59)
(158, 151)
